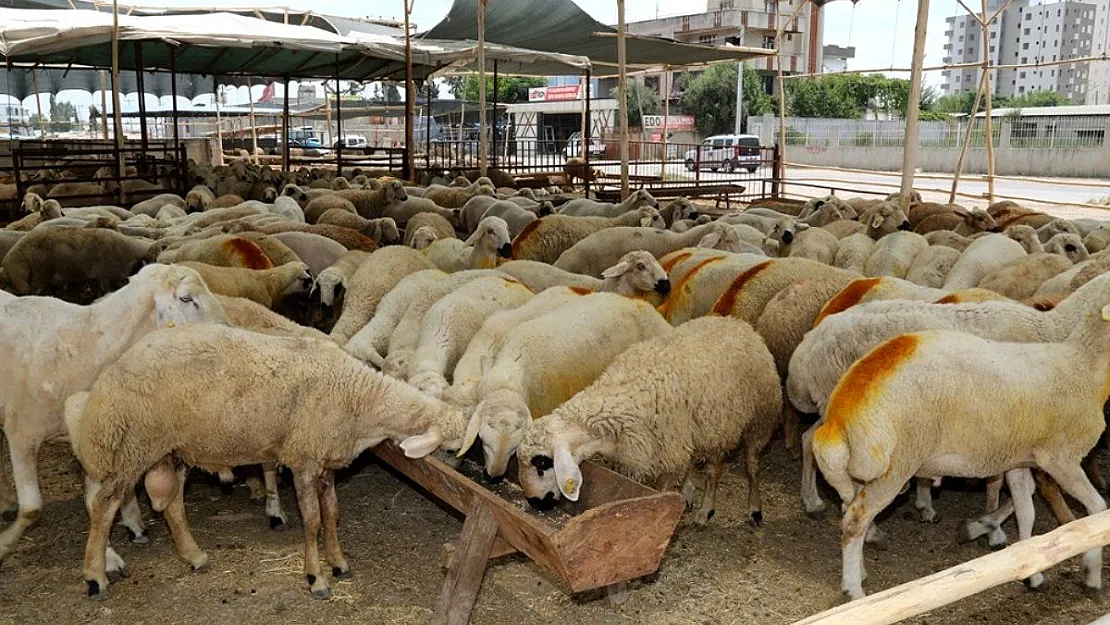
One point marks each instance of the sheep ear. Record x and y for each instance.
(800, 226)
(422, 444)
(472, 429)
(567, 473)
(876, 220)
(473, 238)
(710, 240)
(616, 270)
(1106, 313)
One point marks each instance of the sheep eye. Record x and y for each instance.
(186, 299)
(641, 267)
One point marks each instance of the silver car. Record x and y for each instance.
(726, 153)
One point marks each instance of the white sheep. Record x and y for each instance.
(529, 378)
(514, 215)
(585, 207)
(317, 251)
(852, 252)
(287, 207)
(1007, 405)
(317, 389)
(1021, 278)
(267, 287)
(931, 266)
(375, 277)
(337, 276)
(1069, 246)
(73, 344)
(601, 250)
(480, 251)
(636, 274)
(452, 321)
(893, 254)
(815, 244)
(662, 407)
(980, 258)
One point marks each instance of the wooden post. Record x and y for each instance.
(173, 96)
(909, 150)
(622, 96)
(586, 134)
(584, 87)
(140, 84)
(285, 164)
(117, 120)
(407, 170)
(666, 116)
(103, 104)
(1014, 563)
(495, 85)
(338, 120)
(464, 577)
(483, 138)
(987, 122)
(38, 102)
(428, 124)
(966, 143)
(219, 122)
(254, 126)
(782, 99)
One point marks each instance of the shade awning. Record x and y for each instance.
(560, 26)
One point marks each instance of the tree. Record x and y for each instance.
(392, 93)
(63, 115)
(1037, 98)
(642, 100)
(510, 89)
(711, 98)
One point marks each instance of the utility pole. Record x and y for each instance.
(739, 83)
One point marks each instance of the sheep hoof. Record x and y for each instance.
(1092, 591)
(95, 591)
(340, 573)
(755, 518)
(879, 543)
(278, 524)
(928, 515)
(1034, 581)
(963, 535)
(139, 538)
(199, 568)
(817, 513)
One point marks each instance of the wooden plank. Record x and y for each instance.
(500, 549)
(464, 577)
(1014, 563)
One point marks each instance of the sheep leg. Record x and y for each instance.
(790, 424)
(1094, 473)
(1074, 481)
(329, 509)
(102, 511)
(1050, 492)
(278, 520)
(689, 489)
(1021, 486)
(166, 487)
(706, 510)
(309, 502)
(8, 501)
(924, 501)
(811, 500)
(114, 564)
(132, 518)
(868, 502)
(989, 525)
(25, 471)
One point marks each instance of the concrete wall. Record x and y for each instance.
(1082, 162)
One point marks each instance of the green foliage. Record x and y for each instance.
(392, 93)
(510, 89)
(962, 102)
(850, 95)
(1034, 98)
(711, 98)
(63, 115)
(642, 100)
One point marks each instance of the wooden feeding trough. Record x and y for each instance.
(617, 531)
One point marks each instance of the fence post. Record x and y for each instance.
(776, 158)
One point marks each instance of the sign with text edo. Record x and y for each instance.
(674, 122)
(554, 94)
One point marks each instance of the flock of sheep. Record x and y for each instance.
(942, 342)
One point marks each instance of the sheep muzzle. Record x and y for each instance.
(545, 504)
(505, 251)
(663, 286)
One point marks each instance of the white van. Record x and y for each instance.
(727, 153)
(351, 141)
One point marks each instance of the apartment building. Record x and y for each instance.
(1027, 32)
(1098, 79)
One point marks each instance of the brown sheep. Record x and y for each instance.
(226, 200)
(64, 256)
(348, 238)
(382, 230)
(437, 223)
(371, 204)
(578, 168)
(961, 221)
(316, 207)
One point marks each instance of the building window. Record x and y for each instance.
(718, 19)
(1026, 33)
(768, 42)
(706, 39)
(726, 4)
(769, 5)
(685, 22)
(994, 35)
(1025, 46)
(1021, 75)
(992, 48)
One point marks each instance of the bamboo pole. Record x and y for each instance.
(410, 103)
(966, 143)
(1012, 564)
(583, 145)
(483, 139)
(782, 98)
(666, 115)
(38, 102)
(117, 120)
(254, 127)
(987, 122)
(622, 97)
(219, 122)
(103, 104)
(909, 148)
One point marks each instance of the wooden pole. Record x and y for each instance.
(117, 120)
(584, 87)
(173, 96)
(103, 104)
(909, 150)
(587, 134)
(219, 122)
(1014, 563)
(987, 122)
(338, 120)
(38, 102)
(285, 164)
(140, 84)
(966, 143)
(495, 86)
(483, 138)
(782, 100)
(622, 96)
(254, 126)
(410, 102)
(666, 116)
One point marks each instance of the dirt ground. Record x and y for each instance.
(726, 573)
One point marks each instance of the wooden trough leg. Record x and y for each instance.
(616, 594)
(464, 577)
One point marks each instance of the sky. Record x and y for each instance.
(882, 31)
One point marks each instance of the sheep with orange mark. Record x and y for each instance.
(852, 252)
(931, 266)
(321, 389)
(864, 290)
(390, 337)
(1007, 405)
(545, 239)
(489, 339)
(528, 379)
(222, 250)
(481, 250)
(837, 341)
(893, 254)
(601, 250)
(983, 256)
(376, 276)
(452, 321)
(636, 274)
(267, 287)
(697, 286)
(73, 344)
(658, 410)
(974, 295)
(748, 294)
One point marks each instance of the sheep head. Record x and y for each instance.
(394, 190)
(422, 237)
(682, 208)
(1069, 246)
(886, 218)
(32, 203)
(650, 218)
(637, 272)
(339, 183)
(978, 220)
(1027, 236)
(269, 194)
(492, 234)
(721, 237)
(547, 460)
(500, 421)
(385, 231)
(180, 295)
(298, 278)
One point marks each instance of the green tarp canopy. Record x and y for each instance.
(561, 26)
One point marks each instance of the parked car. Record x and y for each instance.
(351, 141)
(574, 146)
(726, 152)
(308, 143)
